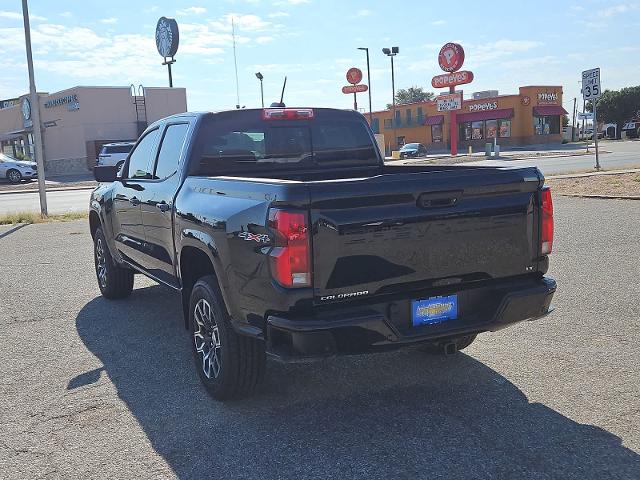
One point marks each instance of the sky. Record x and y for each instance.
(314, 42)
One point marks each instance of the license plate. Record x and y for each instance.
(434, 310)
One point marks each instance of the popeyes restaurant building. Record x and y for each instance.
(533, 116)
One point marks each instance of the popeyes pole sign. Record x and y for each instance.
(451, 59)
(354, 77)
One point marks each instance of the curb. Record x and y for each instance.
(52, 189)
(601, 197)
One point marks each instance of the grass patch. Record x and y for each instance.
(32, 217)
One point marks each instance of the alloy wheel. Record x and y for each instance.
(101, 263)
(206, 337)
(14, 176)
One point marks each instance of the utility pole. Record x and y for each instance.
(573, 122)
(35, 112)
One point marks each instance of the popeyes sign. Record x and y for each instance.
(451, 59)
(547, 98)
(452, 79)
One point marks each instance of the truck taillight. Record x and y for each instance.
(291, 256)
(546, 237)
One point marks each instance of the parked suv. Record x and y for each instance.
(114, 154)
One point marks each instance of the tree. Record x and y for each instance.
(413, 94)
(618, 107)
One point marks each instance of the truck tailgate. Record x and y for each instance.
(400, 231)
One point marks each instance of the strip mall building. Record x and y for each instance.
(76, 122)
(533, 116)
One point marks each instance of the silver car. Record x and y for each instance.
(114, 154)
(16, 170)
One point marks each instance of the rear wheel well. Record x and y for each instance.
(194, 264)
(94, 223)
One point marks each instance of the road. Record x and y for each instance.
(105, 389)
(57, 202)
(623, 155)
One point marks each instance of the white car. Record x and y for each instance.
(16, 170)
(114, 154)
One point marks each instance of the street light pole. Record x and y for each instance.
(392, 52)
(259, 76)
(35, 112)
(393, 89)
(369, 83)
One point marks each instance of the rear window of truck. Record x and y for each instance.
(236, 142)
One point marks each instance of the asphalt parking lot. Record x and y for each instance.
(92, 388)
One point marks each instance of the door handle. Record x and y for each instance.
(134, 201)
(163, 206)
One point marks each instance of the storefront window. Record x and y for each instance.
(546, 125)
(375, 125)
(477, 130)
(465, 131)
(492, 128)
(505, 128)
(436, 133)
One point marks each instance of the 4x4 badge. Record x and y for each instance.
(255, 237)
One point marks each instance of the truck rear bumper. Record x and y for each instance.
(388, 325)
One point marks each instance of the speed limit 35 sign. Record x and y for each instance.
(591, 84)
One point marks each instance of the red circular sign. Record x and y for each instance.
(451, 57)
(354, 75)
(526, 100)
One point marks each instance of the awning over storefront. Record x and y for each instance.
(9, 136)
(435, 120)
(488, 115)
(549, 111)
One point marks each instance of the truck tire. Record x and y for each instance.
(444, 348)
(228, 364)
(114, 281)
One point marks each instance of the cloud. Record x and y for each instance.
(291, 2)
(18, 16)
(278, 15)
(246, 23)
(66, 14)
(364, 13)
(264, 40)
(192, 11)
(109, 21)
(438, 22)
(617, 9)
(488, 52)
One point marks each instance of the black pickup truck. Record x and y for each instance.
(288, 236)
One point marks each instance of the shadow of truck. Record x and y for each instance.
(393, 415)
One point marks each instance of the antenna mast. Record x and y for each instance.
(235, 62)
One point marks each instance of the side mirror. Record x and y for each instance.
(105, 173)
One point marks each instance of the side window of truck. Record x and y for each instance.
(170, 150)
(140, 159)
